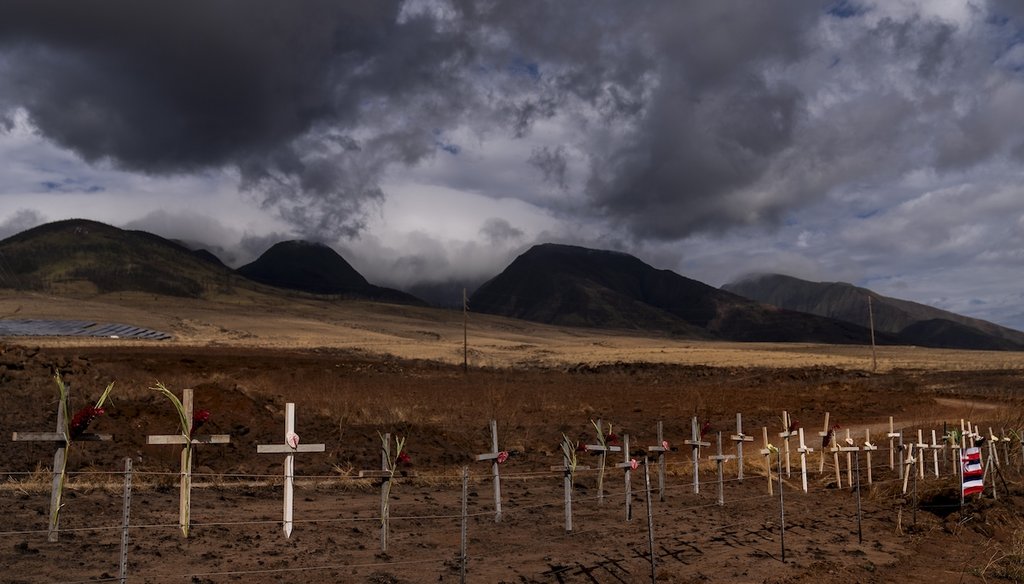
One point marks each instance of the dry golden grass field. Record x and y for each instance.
(356, 370)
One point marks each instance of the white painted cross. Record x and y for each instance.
(662, 449)
(833, 447)
(993, 450)
(62, 440)
(922, 448)
(720, 459)
(868, 447)
(935, 448)
(602, 448)
(788, 431)
(186, 440)
(909, 464)
(290, 447)
(892, 435)
(628, 465)
(695, 443)
(766, 452)
(496, 457)
(803, 450)
(739, 438)
(827, 436)
(849, 448)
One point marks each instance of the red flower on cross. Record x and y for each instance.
(502, 456)
(82, 418)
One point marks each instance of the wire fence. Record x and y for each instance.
(683, 527)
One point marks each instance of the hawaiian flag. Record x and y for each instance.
(974, 474)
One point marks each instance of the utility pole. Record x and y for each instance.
(871, 321)
(465, 333)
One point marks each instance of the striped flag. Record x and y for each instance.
(974, 474)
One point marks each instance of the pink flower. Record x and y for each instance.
(633, 464)
(664, 444)
(502, 456)
(293, 440)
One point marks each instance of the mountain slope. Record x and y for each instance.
(914, 323)
(575, 286)
(316, 268)
(88, 256)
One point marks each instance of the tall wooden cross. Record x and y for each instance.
(186, 440)
(766, 452)
(827, 435)
(909, 463)
(290, 447)
(922, 447)
(834, 449)
(695, 443)
(849, 448)
(62, 440)
(803, 450)
(935, 447)
(739, 438)
(602, 449)
(720, 459)
(662, 449)
(868, 447)
(386, 474)
(893, 435)
(787, 432)
(496, 457)
(628, 465)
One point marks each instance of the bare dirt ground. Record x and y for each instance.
(356, 370)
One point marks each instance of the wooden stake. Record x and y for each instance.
(827, 437)
(909, 462)
(290, 447)
(125, 520)
(892, 435)
(922, 448)
(786, 434)
(463, 555)
(849, 449)
(650, 520)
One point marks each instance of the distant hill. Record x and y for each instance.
(575, 286)
(912, 323)
(88, 256)
(316, 268)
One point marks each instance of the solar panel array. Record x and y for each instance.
(77, 328)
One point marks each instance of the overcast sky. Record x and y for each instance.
(877, 142)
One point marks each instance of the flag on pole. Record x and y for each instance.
(974, 474)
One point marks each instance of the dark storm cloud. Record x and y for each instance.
(680, 117)
(268, 87)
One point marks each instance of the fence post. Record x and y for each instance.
(650, 519)
(125, 516)
(462, 545)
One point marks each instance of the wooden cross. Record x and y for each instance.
(739, 438)
(993, 451)
(662, 449)
(935, 447)
(628, 465)
(695, 443)
(922, 448)
(385, 474)
(290, 447)
(868, 447)
(909, 463)
(892, 435)
(833, 447)
(186, 440)
(803, 450)
(568, 469)
(786, 434)
(766, 452)
(496, 457)
(603, 451)
(62, 440)
(850, 448)
(956, 451)
(827, 437)
(720, 460)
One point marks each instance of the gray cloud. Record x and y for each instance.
(21, 220)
